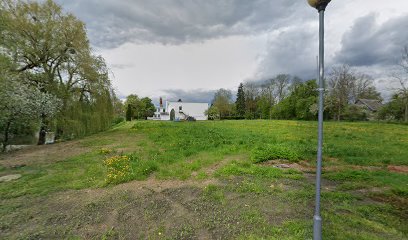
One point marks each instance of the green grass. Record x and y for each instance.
(360, 203)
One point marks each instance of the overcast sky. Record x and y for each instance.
(189, 48)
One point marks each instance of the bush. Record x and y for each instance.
(118, 120)
(271, 152)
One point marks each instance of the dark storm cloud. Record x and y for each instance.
(112, 23)
(290, 51)
(367, 43)
(196, 95)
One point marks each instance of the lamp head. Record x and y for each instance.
(319, 4)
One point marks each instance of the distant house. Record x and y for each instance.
(175, 111)
(371, 105)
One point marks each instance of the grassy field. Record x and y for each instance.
(210, 180)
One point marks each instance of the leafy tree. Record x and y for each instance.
(20, 105)
(222, 102)
(299, 104)
(240, 102)
(148, 107)
(129, 113)
(355, 113)
(140, 108)
(213, 113)
(51, 51)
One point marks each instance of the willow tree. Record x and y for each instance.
(51, 49)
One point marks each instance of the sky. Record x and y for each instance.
(189, 48)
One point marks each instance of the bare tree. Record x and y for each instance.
(282, 82)
(251, 93)
(403, 81)
(341, 86)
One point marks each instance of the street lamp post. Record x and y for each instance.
(320, 5)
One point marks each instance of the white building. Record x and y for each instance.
(176, 111)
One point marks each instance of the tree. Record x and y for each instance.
(282, 82)
(172, 115)
(240, 102)
(363, 88)
(134, 102)
(140, 108)
(251, 95)
(148, 107)
(299, 104)
(222, 102)
(51, 51)
(394, 109)
(402, 92)
(129, 113)
(341, 89)
(20, 105)
(213, 113)
(345, 88)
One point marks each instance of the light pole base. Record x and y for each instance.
(317, 227)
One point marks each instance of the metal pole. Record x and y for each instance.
(317, 220)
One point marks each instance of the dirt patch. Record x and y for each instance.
(8, 178)
(302, 166)
(152, 209)
(305, 166)
(210, 170)
(397, 169)
(42, 154)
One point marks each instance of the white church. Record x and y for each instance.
(177, 111)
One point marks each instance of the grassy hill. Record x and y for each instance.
(203, 180)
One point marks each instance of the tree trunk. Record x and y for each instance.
(6, 136)
(41, 136)
(406, 112)
(338, 113)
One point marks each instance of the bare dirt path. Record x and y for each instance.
(42, 154)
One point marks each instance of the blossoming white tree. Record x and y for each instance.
(21, 105)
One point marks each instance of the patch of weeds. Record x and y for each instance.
(141, 169)
(396, 182)
(118, 169)
(186, 231)
(349, 186)
(337, 197)
(253, 217)
(110, 234)
(214, 193)
(297, 229)
(106, 151)
(251, 186)
(201, 176)
(246, 168)
(400, 191)
(276, 151)
(350, 175)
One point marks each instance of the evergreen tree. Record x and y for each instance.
(240, 102)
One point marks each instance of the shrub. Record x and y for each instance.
(118, 169)
(272, 152)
